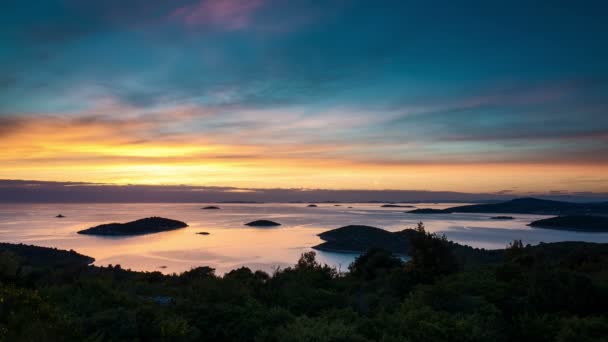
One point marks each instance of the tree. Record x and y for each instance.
(431, 255)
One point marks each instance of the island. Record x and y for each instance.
(501, 217)
(535, 206)
(142, 226)
(59, 216)
(359, 238)
(211, 207)
(397, 206)
(262, 223)
(202, 233)
(428, 211)
(578, 223)
(312, 206)
(525, 206)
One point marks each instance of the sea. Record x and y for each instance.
(231, 244)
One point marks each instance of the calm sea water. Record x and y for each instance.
(231, 244)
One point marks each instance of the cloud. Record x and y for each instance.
(223, 14)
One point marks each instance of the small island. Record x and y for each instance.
(428, 211)
(262, 223)
(397, 206)
(502, 218)
(59, 216)
(142, 226)
(578, 223)
(312, 206)
(211, 207)
(202, 233)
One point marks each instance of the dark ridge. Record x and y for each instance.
(580, 223)
(46, 257)
(397, 206)
(502, 217)
(428, 211)
(142, 226)
(211, 207)
(535, 206)
(262, 223)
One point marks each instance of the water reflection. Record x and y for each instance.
(230, 244)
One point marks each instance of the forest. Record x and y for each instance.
(548, 292)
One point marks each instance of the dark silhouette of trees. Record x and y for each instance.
(549, 292)
(431, 255)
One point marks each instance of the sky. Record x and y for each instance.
(465, 96)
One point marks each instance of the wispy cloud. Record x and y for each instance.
(223, 14)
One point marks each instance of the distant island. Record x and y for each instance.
(502, 217)
(262, 223)
(397, 206)
(535, 206)
(525, 206)
(211, 207)
(580, 223)
(428, 211)
(142, 226)
(60, 216)
(203, 233)
(312, 206)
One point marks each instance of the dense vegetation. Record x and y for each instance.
(550, 292)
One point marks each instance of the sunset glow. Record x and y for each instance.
(229, 93)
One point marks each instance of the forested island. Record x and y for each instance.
(548, 292)
(262, 223)
(142, 226)
(428, 211)
(534, 206)
(583, 223)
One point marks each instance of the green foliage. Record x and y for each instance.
(550, 292)
(432, 255)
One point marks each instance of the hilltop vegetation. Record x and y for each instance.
(549, 292)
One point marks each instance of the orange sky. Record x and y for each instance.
(101, 151)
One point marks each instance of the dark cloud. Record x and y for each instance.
(40, 191)
(9, 125)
